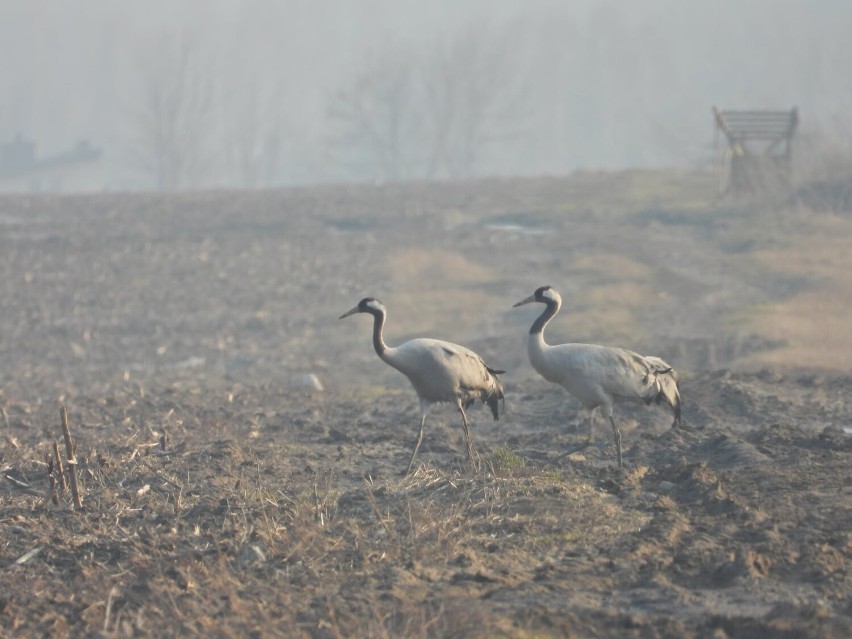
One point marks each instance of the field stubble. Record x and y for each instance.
(223, 497)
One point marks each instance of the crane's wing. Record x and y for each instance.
(476, 379)
(629, 376)
(668, 385)
(445, 372)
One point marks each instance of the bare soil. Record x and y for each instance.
(240, 449)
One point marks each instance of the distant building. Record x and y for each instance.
(80, 168)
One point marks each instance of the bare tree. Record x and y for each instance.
(252, 134)
(413, 115)
(374, 118)
(473, 98)
(173, 118)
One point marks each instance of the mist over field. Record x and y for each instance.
(197, 94)
(192, 192)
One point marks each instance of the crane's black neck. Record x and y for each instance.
(541, 321)
(378, 325)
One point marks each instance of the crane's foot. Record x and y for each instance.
(475, 465)
(570, 452)
(470, 462)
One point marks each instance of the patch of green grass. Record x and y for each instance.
(504, 459)
(551, 474)
(554, 539)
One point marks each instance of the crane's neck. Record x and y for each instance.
(537, 348)
(541, 321)
(378, 325)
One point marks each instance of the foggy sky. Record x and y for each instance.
(597, 83)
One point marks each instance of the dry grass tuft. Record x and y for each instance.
(228, 537)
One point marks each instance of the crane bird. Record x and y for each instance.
(439, 371)
(598, 376)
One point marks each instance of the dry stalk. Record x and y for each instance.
(60, 469)
(371, 499)
(318, 507)
(71, 460)
(332, 624)
(27, 556)
(108, 608)
(160, 474)
(51, 480)
(22, 486)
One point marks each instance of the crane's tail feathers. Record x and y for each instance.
(670, 393)
(494, 395)
(490, 392)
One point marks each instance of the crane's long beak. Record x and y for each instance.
(527, 300)
(351, 311)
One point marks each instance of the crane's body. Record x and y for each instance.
(599, 376)
(439, 371)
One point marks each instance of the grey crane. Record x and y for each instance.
(439, 371)
(598, 376)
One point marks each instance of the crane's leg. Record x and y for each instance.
(466, 427)
(591, 436)
(417, 445)
(585, 444)
(617, 435)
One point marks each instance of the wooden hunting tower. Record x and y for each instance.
(759, 152)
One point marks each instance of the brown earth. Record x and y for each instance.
(226, 496)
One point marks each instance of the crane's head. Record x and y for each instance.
(543, 294)
(367, 305)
